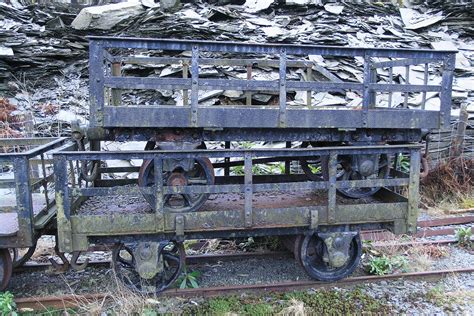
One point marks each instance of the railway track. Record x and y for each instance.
(209, 258)
(427, 228)
(73, 301)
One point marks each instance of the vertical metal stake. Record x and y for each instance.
(425, 82)
(116, 93)
(309, 78)
(413, 196)
(194, 86)
(282, 114)
(407, 81)
(227, 161)
(332, 187)
(249, 93)
(185, 76)
(248, 189)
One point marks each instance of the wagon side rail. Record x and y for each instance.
(74, 228)
(105, 74)
(28, 160)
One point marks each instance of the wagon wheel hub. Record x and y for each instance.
(177, 179)
(200, 173)
(148, 267)
(330, 256)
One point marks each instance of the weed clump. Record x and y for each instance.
(463, 236)
(7, 304)
(452, 181)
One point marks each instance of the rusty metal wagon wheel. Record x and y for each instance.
(172, 256)
(6, 268)
(201, 174)
(314, 254)
(21, 255)
(347, 172)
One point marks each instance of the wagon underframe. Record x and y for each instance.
(386, 209)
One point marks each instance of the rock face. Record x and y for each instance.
(107, 16)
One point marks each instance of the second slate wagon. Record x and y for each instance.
(347, 176)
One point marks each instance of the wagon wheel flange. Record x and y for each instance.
(21, 255)
(202, 173)
(6, 268)
(349, 169)
(124, 265)
(313, 167)
(314, 253)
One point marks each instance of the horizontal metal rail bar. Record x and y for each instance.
(41, 149)
(405, 62)
(249, 85)
(256, 85)
(119, 169)
(233, 47)
(254, 162)
(40, 182)
(294, 152)
(35, 182)
(214, 62)
(238, 188)
(8, 209)
(25, 141)
(322, 86)
(147, 83)
(387, 87)
(267, 117)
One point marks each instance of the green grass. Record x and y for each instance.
(325, 302)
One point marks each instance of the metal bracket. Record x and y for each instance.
(248, 190)
(338, 245)
(147, 259)
(314, 219)
(179, 222)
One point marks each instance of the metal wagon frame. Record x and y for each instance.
(29, 224)
(77, 231)
(105, 74)
(361, 135)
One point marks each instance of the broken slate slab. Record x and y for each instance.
(415, 20)
(106, 16)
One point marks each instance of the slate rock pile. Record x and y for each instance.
(40, 42)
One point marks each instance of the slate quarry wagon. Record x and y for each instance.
(328, 169)
(27, 202)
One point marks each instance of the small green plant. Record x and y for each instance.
(386, 265)
(403, 163)
(435, 293)
(249, 243)
(315, 169)
(222, 306)
(463, 236)
(7, 304)
(260, 169)
(189, 279)
(148, 311)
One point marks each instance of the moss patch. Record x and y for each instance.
(321, 302)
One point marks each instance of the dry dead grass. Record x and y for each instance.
(449, 184)
(420, 257)
(8, 120)
(118, 300)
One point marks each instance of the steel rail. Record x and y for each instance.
(74, 301)
(226, 257)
